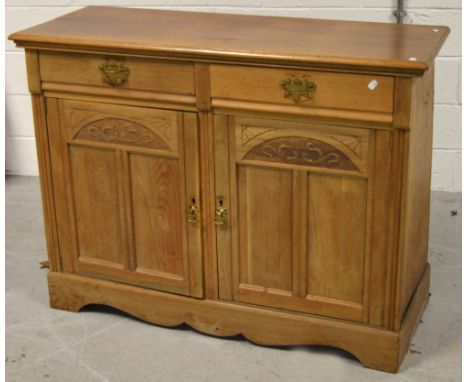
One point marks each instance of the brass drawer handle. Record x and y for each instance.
(193, 212)
(221, 213)
(114, 73)
(295, 88)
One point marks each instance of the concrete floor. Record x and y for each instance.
(102, 344)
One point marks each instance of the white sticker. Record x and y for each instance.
(372, 85)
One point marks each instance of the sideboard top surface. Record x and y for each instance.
(342, 45)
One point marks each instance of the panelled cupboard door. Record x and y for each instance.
(299, 208)
(124, 178)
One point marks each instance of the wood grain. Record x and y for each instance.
(313, 135)
(33, 71)
(362, 119)
(265, 257)
(157, 214)
(307, 145)
(207, 184)
(336, 232)
(402, 102)
(262, 326)
(202, 85)
(333, 90)
(301, 151)
(415, 219)
(146, 130)
(122, 96)
(330, 44)
(149, 75)
(123, 201)
(193, 190)
(285, 262)
(42, 132)
(222, 189)
(97, 206)
(399, 141)
(380, 228)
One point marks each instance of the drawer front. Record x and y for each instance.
(118, 72)
(308, 89)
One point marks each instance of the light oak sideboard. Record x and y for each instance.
(262, 176)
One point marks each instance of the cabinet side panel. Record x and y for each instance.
(415, 219)
(265, 216)
(337, 232)
(96, 203)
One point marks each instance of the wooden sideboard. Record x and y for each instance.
(265, 176)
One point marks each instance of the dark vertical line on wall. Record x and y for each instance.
(400, 12)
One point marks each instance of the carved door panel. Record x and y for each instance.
(124, 179)
(299, 200)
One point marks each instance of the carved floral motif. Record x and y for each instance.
(116, 130)
(301, 151)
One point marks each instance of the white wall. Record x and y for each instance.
(446, 172)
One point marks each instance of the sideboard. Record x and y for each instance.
(251, 175)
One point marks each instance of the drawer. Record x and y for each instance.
(308, 89)
(118, 72)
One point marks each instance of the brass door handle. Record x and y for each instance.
(295, 88)
(114, 73)
(193, 213)
(221, 212)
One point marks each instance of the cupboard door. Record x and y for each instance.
(124, 177)
(299, 201)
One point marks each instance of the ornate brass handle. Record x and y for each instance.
(295, 88)
(114, 73)
(193, 213)
(221, 213)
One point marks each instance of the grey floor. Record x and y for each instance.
(104, 345)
